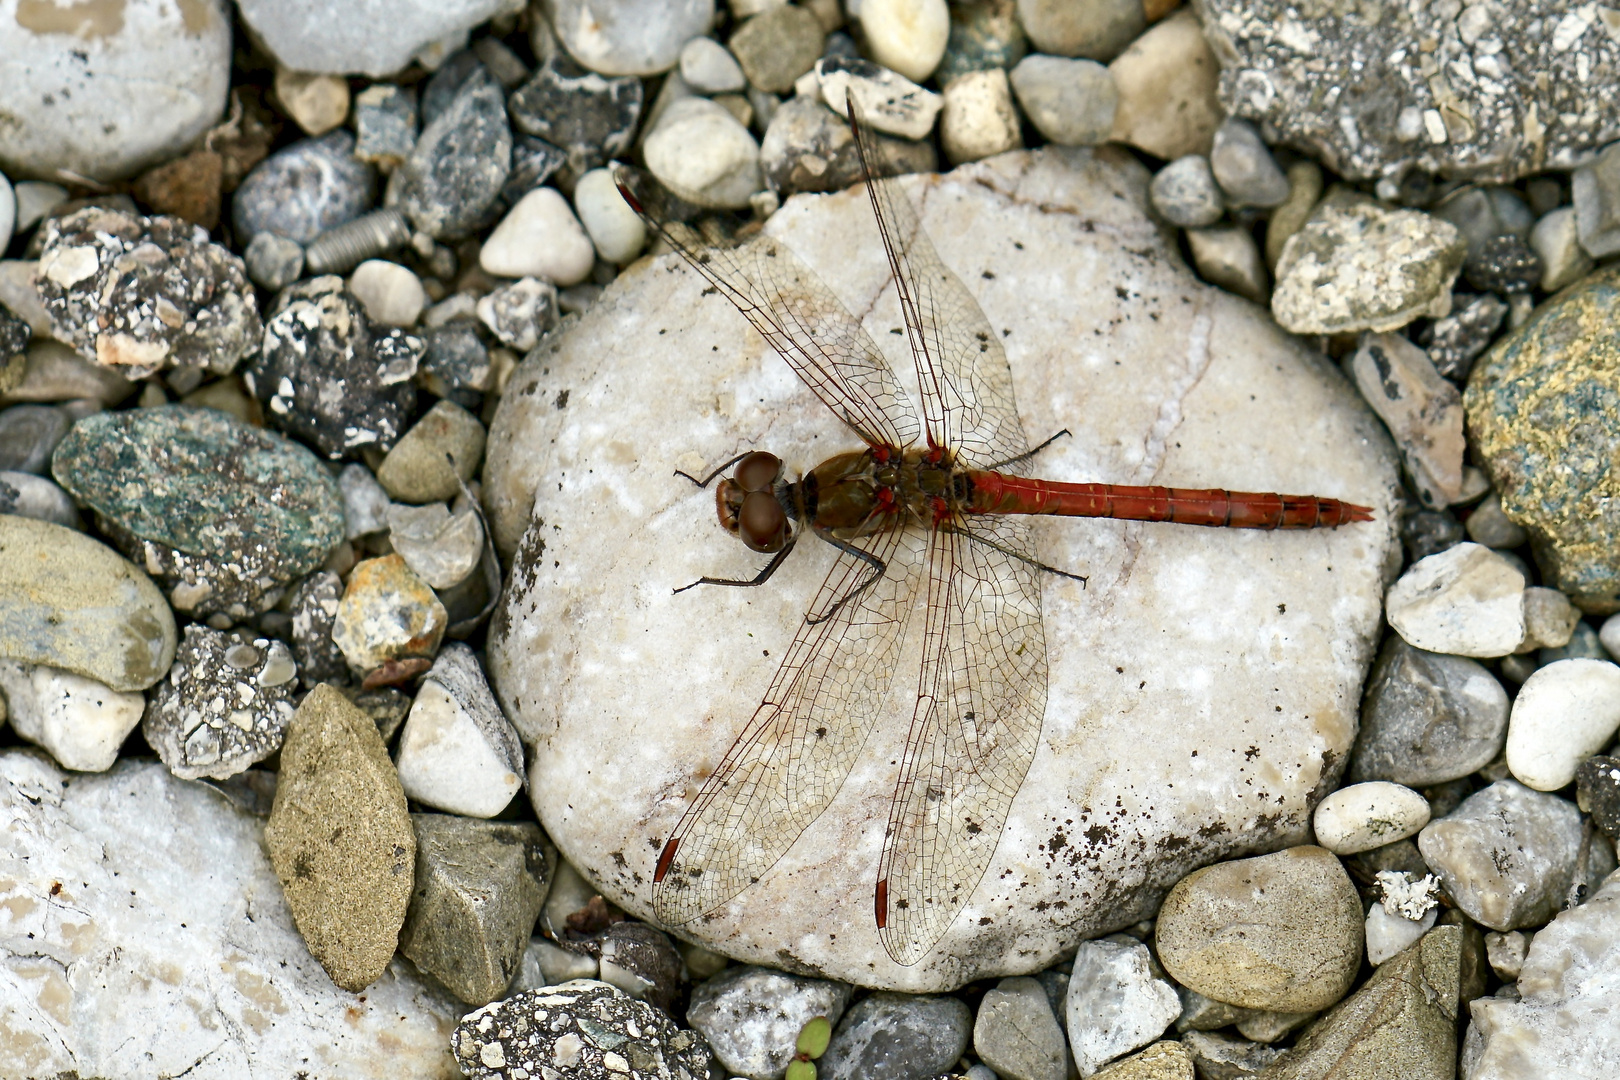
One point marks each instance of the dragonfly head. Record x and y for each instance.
(748, 504)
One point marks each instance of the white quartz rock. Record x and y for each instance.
(1563, 1023)
(80, 721)
(1564, 713)
(617, 231)
(1115, 1003)
(1390, 934)
(539, 237)
(889, 102)
(457, 752)
(389, 292)
(906, 35)
(1240, 645)
(1364, 816)
(1467, 601)
(144, 922)
(701, 153)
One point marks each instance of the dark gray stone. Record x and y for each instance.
(889, 1036)
(314, 610)
(1428, 532)
(224, 706)
(1185, 194)
(1244, 167)
(441, 89)
(456, 363)
(479, 887)
(580, 1029)
(450, 184)
(29, 435)
(1503, 264)
(1597, 792)
(589, 117)
(1427, 718)
(637, 958)
(1457, 340)
(533, 163)
(808, 147)
(304, 190)
(328, 377)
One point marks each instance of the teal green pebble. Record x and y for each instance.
(1543, 409)
(205, 483)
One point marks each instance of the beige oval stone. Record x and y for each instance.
(1280, 931)
(67, 601)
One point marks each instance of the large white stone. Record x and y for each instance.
(80, 721)
(361, 37)
(1564, 713)
(1466, 601)
(1199, 684)
(1564, 1021)
(105, 89)
(146, 935)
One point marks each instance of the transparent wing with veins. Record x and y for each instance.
(799, 317)
(966, 385)
(800, 744)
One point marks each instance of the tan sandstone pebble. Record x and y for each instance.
(1402, 1025)
(1167, 1060)
(340, 838)
(430, 460)
(1166, 82)
(1280, 932)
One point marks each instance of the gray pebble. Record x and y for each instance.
(1222, 1057)
(752, 1015)
(385, 125)
(365, 503)
(273, 262)
(1456, 340)
(1427, 718)
(1595, 188)
(305, 189)
(1228, 256)
(888, 1036)
(778, 45)
(1185, 194)
(1071, 102)
(534, 161)
(1244, 167)
(1489, 525)
(28, 436)
(1017, 1034)
(589, 118)
(449, 184)
(30, 496)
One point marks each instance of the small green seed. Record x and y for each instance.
(800, 1070)
(814, 1038)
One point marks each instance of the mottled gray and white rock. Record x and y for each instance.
(1163, 584)
(704, 155)
(374, 37)
(1564, 713)
(519, 314)
(1016, 1033)
(1595, 189)
(641, 37)
(1559, 1025)
(1166, 83)
(1185, 194)
(314, 607)
(978, 118)
(80, 721)
(340, 839)
(1423, 412)
(752, 1016)
(1465, 601)
(81, 94)
(304, 189)
(457, 752)
(1380, 96)
(1071, 102)
(1358, 266)
(889, 1036)
(1458, 339)
(1507, 855)
(539, 237)
(30, 496)
(889, 102)
(457, 169)
(164, 884)
(589, 118)
(365, 502)
(440, 547)
(1115, 1003)
(1224, 1057)
(1279, 932)
(385, 125)
(588, 1028)
(273, 262)
(907, 36)
(1427, 718)
(224, 706)
(70, 602)
(1244, 167)
(1364, 816)
(643, 962)
(479, 887)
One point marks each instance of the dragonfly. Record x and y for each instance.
(930, 516)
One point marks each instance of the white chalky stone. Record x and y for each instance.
(889, 102)
(539, 237)
(447, 758)
(1467, 601)
(704, 155)
(709, 68)
(1389, 934)
(1364, 816)
(80, 721)
(1609, 635)
(1564, 713)
(391, 294)
(907, 36)
(979, 119)
(617, 231)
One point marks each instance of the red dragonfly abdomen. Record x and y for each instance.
(998, 493)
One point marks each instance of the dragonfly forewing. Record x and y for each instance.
(799, 746)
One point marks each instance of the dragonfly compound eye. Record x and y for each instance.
(758, 471)
(761, 522)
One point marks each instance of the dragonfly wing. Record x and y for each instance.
(800, 744)
(980, 704)
(966, 385)
(799, 317)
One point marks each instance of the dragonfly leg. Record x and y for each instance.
(1026, 455)
(706, 481)
(762, 578)
(1036, 563)
(878, 567)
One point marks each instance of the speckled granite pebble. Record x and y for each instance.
(225, 705)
